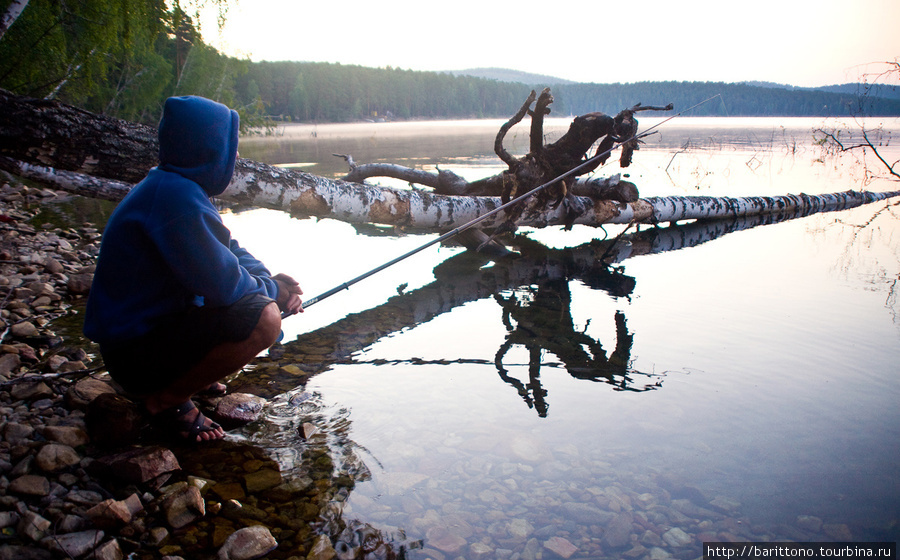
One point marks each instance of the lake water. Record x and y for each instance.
(729, 382)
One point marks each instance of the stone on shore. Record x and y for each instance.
(33, 526)
(80, 284)
(83, 392)
(248, 543)
(55, 457)
(31, 391)
(112, 514)
(74, 545)
(112, 419)
(30, 485)
(237, 409)
(73, 436)
(110, 550)
(24, 330)
(183, 506)
(322, 549)
(8, 363)
(143, 465)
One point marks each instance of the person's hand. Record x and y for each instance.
(289, 292)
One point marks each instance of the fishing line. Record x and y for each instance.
(452, 233)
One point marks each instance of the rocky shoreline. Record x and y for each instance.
(72, 484)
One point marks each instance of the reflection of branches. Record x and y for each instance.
(684, 148)
(544, 321)
(862, 233)
(891, 301)
(867, 233)
(867, 223)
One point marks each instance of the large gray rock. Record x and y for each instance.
(143, 465)
(55, 457)
(74, 545)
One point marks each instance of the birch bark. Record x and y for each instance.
(12, 13)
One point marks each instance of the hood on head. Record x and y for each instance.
(198, 139)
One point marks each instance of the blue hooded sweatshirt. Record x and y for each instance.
(165, 247)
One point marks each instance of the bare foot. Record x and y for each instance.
(214, 389)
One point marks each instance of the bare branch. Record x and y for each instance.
(890, 167)
(501, 152)
(541, 108)
(442, 181)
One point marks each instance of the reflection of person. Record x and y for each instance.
(176, 304)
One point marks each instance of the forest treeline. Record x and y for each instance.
(125, 57)
(307, 91)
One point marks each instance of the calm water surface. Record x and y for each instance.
(746, 386)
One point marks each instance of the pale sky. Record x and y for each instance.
(802, 43)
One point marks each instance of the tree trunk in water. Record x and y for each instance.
(76, 151)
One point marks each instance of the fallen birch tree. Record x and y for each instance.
(72, 150)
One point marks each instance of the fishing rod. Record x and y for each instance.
(454, 232)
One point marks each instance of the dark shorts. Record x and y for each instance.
(154, 361)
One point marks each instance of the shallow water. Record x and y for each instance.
(745, 386)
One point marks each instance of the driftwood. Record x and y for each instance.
(542, 163)
(72, 150)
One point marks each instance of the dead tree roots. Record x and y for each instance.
(542, 164)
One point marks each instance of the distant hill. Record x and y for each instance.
(872, 90)
(518, 77)
(735, 100)
(512, 76)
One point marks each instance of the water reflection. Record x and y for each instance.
(543, 321)
(532, 290)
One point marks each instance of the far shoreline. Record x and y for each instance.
(305, 130)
